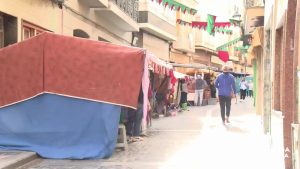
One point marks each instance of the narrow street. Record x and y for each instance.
(194, 139)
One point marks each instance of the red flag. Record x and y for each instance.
(166, 4)
(223, 55)
(172, 7)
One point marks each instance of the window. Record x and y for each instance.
(29, 30)
(102, 39)
(80, 33)
(1, 32)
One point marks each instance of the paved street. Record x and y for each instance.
(195, 139)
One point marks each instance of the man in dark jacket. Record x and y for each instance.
(226, 87)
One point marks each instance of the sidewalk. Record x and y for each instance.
(14, 159)
(194, 139)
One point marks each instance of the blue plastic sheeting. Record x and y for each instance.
(60, 127)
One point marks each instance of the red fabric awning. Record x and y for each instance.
(72, 67)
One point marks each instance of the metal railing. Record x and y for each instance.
(130, 7)
(254, 3)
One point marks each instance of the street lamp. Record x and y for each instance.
(237, 15)
(59, 3)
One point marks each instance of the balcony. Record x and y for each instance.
(255, 18)
(95, 3)
(156, 20)
(120, 13)
(254, 3)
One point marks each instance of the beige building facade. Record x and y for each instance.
(158, 28)
(97, 20)
(208, 44)
(183, 49)
(275, 47)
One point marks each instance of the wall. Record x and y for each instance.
(159, 10)
(157, 46)
(202, 57)
(185, 33)
(47, 15)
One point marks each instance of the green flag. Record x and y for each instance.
(211, 24)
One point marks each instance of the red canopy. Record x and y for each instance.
(73, 67)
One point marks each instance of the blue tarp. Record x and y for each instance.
(60, 127)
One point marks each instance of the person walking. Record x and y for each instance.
(199, 88)
(243, 88)
(226, 88)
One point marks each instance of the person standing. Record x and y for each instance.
(250, 85)
(184, 92)
(134, 120)
(226, 87)
(199, 88)
(243, 88)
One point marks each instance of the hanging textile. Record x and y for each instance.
(153, 62)
(223, 55)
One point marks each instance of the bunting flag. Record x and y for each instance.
(230, 43)
(223, 30)
(173, 5)
(199, 25)
(222, 24)
(182, 22)
(234, 22)
(243, 49)
(223, 55)
(221, 27)
(211, 24)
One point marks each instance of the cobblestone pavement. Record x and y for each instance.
(194, 139)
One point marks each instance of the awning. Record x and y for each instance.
(195, 66)
(179, 75)
(258, 37)
(257, 40)
(73, 67)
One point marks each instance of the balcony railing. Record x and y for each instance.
(254, 3)
(130, 7)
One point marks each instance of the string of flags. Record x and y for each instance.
(223, 49)
(211, 26)
(173, 5)
(230, 43)
(222, 27)
(243, 49)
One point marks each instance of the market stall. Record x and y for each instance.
(161, 82)
(208, 73)
(60, 96)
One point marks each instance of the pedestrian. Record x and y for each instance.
(199, 88)
(250, 85)
(226, 89)
(243, 88)
(134, 121)
(213, 89)
(184, 92)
